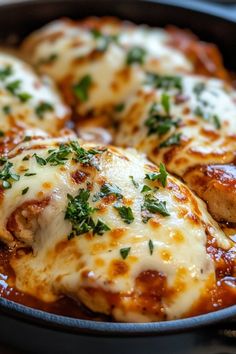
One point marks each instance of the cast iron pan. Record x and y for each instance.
(35, 331)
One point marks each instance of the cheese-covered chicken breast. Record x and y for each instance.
(187, 122)
(97, 63)
(27, 101)
(111, 230)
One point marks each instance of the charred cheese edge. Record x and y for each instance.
(26, 100)
(145, 266)
(111, 53)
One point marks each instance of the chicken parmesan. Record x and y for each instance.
(28, 101)
(98, 63)
(189, 123)
(115, 232)
(109, 229)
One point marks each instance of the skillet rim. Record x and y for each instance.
(74, 325)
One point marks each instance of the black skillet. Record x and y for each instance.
(33, 331)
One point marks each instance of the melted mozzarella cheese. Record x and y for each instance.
(90, 268)
(206, 111)
(67, 51)
(23, 96)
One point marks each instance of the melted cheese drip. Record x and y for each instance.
(202, 142)
(113, 81)
(61, 266)
(24, 114)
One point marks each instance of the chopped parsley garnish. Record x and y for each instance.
(108, 189)
(136, 55)
(100, 228)
(158, 123)
(81, 89)
(43, 108)
(151, 246)
(7, 176)
(83, 156)
(199, 88)
(27, 138)
(28, 174)
(6, 72)
(153, 205)
(134, 182)
(48, 60)
(146, 189)
(171, 141)
(125, 213)
(124, 252)
(6, 109)
(165, 82)
(3, 160)
(26, 158)
(216, 121)
(41, 161)
(79, 213)
(1, 133)
(13, 86)
(24, 96)
(96, 33)
(104, 40)
(25, 190)
(59, 156)
(160, 176)
(119, 107)
(165, 102)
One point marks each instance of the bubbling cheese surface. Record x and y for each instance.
(69, 51)
(27, 100)
(145, 256)
(194, 123)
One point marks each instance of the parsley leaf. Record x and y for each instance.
(7, 176)
(134, 182)
(108, 189)
(146, 189)
(6, 109)
(125, 213)
(216, 121)
(165, 82)
(81, 89)
(5, 72)
(153, 205)
(40, 160)
(79, 212)
(172, 140)
(100, 228)
(161, 176)
(124, 252)
(151, 246)
(199, 88)
(42, 108)
(25, 190)
(28, 174)
(165, 102)
(59, 156)
(136, 55)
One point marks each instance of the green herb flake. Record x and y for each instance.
(136, 55)
(124, 252)
(119, 107)
(40, 160)
(25, 190)
(29, 174)
(81, 89)
(151, 246)
(43, 108)
(216, 121)
(165, 102)
(13, 86)
(5, 72)
(79, 213)
(199, 88)
(146, 189)
(7, 176)
(100, 228)
(134, 182)
(154, 205)
(2, 134)
(171, 141)
(106, 190)
(125, 213)
(27, 138)
(24, 96)
(165, 82)
(6, 109)
(161, 176)
(48, 60)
